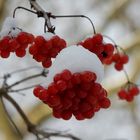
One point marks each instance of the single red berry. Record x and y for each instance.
(57, 113)
(47, 63)
(122, 94)
(57, 77)
(105, 103)
(61, 85)
(134, 90)
(66, 115)
(20, 52)
(37, 90)
(52, 89)
(39, 40)
(66, 75)
(124, 59)
(5, 54)
(97, 39)
(76, 78)
(53, 100)
(119, 66)
(33, 49)
(79, 115)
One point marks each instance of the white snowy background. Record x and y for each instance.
(120, 122)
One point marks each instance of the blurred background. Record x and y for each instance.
(118, 19)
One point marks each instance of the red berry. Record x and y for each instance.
(66, 75)
(76, 78)
(129, 97)
(134, 90)
(53, 100)
(122, 94)
(47, 63)
(20, 52)
(105, 103)
(119, 66)
(57, 77)
(61, 85)
(66, 115)
(52, 89)
(124, 59)
(37, 90)
(5, 54)
(39, 40)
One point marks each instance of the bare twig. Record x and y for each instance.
(32, 128)
(10, 119)
(41, 13)
(43, 73)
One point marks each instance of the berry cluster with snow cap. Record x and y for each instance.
(73, 88)
(76, 94)
(13, 40)
(46, 47)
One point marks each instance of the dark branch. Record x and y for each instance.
(42, 13)
(73, 16)
(43, 73)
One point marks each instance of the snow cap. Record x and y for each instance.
(76, 59)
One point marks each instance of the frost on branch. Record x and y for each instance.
(76, 59)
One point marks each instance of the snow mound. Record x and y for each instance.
(9, 28)
(48, 35)
(76, 59)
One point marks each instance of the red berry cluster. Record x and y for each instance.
(15, 44)
(129, 93)
(96, 45)
(76, 94)
(43, 50)
(119, 60)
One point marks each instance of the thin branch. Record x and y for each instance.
(73, 16)
(17, 107)
(25, 69)
(23, 8)
(10, 119)
(43, 73)
(42, 13)
(32, 128)
(26, 88)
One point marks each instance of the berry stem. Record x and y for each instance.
(127, 77)
(23, 8)
(74, 16)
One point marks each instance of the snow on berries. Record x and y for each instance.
(72, 85)
(13, 40)
(105, 51)
(75, 94)
(76, 59)
(129, 92)
(46, 47)
(96, 45)
(17, 45)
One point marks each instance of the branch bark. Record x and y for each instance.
(42, 13)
